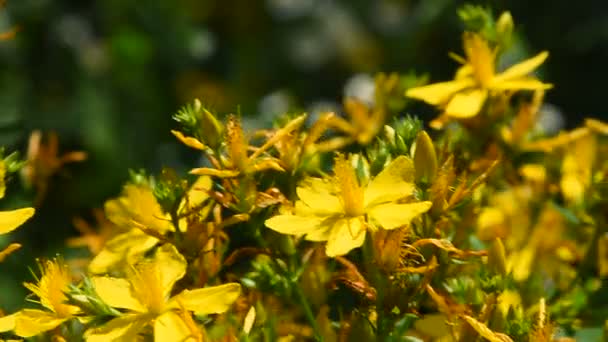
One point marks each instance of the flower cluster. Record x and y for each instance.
(360, 225)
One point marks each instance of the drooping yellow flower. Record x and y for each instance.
(11, 219)
(477, 79)
(146, 297)
(340, 212)
(50, 289)
(138, 209)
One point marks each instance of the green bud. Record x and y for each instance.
(497, 260)
(504, 29)
(425, 158)
(210, 129)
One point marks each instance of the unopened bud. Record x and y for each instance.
(425, 158)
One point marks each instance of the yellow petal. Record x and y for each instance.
(31, 322)
(345, 235)
(318, 201)
(321, 234)
(171, 327)
(393, 215)
(293, 225)
(9, 220)
(124, 328)
(466, 105)
(125, 249)
(523, 68)
(116, 293)
(392, 183)
(209, 300)
(171, 265)
(189, 141)
(521, 84)
(439, 93)
(137, 203)
(7, 323)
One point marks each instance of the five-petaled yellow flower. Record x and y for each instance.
(51, 289)
(146, 297)
(476, 79)
(340, 210)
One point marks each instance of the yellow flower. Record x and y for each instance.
(51, 288)
(340, 212)
(145, 296)
(477, 79)
(138, 209)
(11, 219)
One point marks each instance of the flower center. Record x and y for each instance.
(351, 193)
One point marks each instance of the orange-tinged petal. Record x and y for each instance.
(171, 327)
(522, 69)
(439, 93)
(30, 322)
(124, 328)
(117, 293)
(467, 104)
(9, 220)
(393, 215)
(208, 300)
(207, 171)
(345, 235)
(189, 141)
(293, 225)
(392, 183)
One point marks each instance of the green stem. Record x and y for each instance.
(307, 311)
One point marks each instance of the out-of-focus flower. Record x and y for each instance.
(340, 212)
(43, 161)
(477, 79)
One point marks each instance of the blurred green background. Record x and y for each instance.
(108, 75)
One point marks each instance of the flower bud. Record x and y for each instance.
(425, 158)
